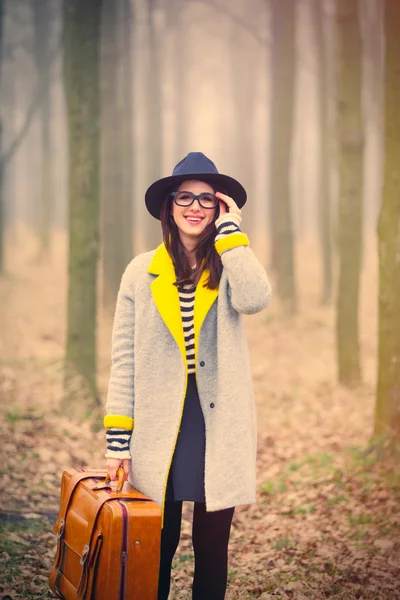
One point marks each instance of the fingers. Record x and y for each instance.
(127, 466)
(113, 465)
(222, 208)
(112, 472)
(227, 201)
(112, 468)
(224, 197)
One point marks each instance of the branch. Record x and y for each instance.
(16, 142)
(259, 39)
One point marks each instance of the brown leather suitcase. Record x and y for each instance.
(108, 545)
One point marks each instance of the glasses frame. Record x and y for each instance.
(195, 197)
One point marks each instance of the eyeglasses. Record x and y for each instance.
(206, 199)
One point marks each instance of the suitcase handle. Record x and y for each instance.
(121, 479)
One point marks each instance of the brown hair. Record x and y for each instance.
(206, 255)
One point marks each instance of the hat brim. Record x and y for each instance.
(157, 193)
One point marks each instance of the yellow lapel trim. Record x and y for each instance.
(166, 298)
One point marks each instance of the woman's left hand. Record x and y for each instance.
(227, 202)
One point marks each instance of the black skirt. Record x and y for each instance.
(186, 476)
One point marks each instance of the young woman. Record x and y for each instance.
(180, 407)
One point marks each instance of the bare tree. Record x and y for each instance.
(82, 58)
(175, 22)
(282, 101)
(318, 16)
(387, 413)
(373, 93)
(42, 23)
(1, 143)
(351, 143)
(242, 80)
(116, 144)
(127, 29)
(153, 113)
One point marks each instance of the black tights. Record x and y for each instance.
(210, 537)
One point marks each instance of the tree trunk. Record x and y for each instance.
(242, 80)
(323, 189)
(176, 22)
(387, 414)
(42, 23)
(116, 143)
(126, 18)
(1, 144)
(282, 101)
(372, 21)
(351, 143)
(154, 119)
(82, 50)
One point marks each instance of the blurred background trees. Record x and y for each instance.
(324, 76)
(387, 416)
(350, 213)
(285, 96)
(1, 136)
(82, 88)
(283, 22)
(41, 43)
(116, 144)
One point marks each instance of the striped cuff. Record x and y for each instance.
(118, 443)
(228, 217)
(118, 455)
(228, 225)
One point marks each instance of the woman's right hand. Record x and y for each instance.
(113, 465)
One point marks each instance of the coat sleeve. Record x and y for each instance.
(248, 281)
(119, 420)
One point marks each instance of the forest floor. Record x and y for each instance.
(327, 519)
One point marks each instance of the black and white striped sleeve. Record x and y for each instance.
(118, 443)
(227, 224)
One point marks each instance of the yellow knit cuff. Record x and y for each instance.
(118, 422)
(233, 240)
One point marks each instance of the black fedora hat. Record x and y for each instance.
(195, 165)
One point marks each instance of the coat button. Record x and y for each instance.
(202, 363)
(212, 405)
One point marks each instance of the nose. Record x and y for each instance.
(196, 204)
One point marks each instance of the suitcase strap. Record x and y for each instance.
(66, 498)
(73, 482)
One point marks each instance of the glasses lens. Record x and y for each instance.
(208, 200)
(183, 198)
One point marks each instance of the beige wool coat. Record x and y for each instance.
(149, 373)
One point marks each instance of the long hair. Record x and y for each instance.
(206, 255)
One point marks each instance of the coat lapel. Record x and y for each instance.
(203, 301)
(165, 295)
(166, 298)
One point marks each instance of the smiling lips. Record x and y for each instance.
(194, 220)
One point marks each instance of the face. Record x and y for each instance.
(192, 220)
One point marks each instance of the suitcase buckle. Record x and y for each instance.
(85, 554)
(61, 530)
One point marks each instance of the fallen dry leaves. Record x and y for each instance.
(327, 519)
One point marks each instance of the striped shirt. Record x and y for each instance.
(186, 299)
(118, 440)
